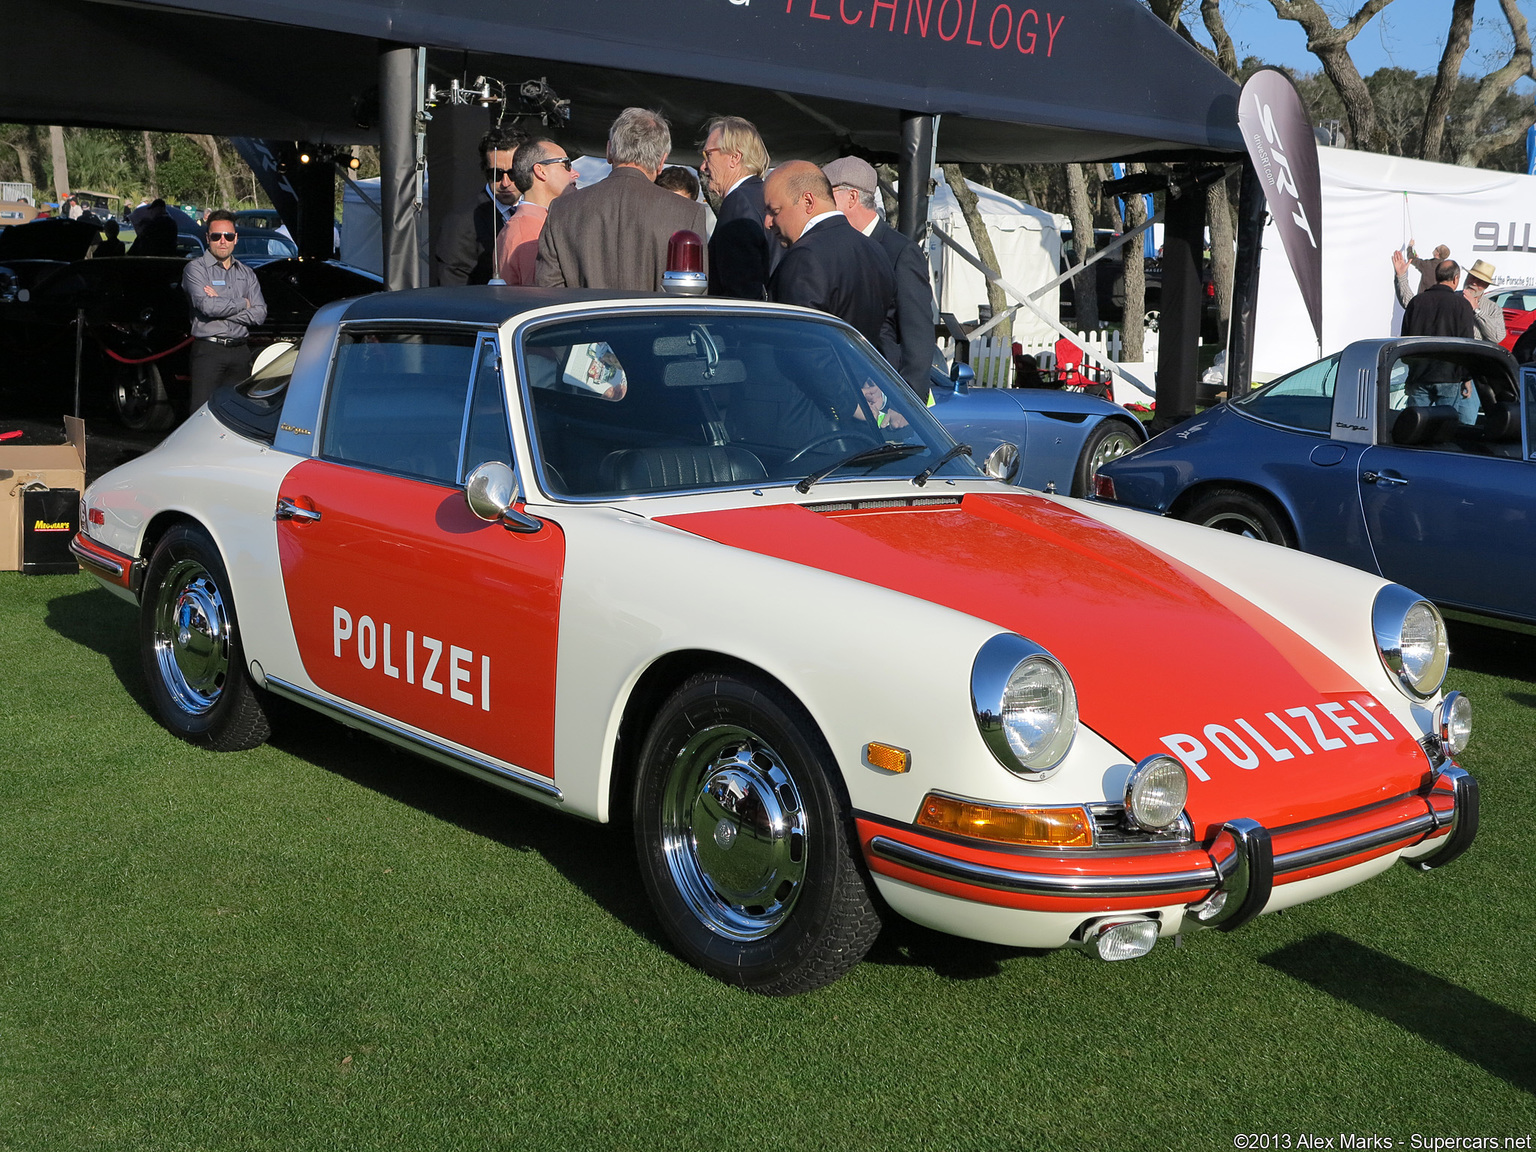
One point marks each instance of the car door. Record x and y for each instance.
(403, 601)
(1451, 507)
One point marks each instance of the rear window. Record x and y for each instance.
(1302, 400)
(254, 407)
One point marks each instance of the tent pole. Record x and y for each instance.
(917, 139)
(1245, 281)
(1178, 350)
(399, 187)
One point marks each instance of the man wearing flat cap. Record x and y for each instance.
(854, 187)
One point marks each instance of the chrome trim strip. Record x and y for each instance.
(1464, 818)
(95, 560)
(440, 750)
(1039, 883)
(1350, 845)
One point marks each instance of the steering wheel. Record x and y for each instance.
(828, 438)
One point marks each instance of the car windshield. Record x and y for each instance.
(677, 401)
(1302, 399)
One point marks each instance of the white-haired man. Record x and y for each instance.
(740, 255)
(614, 233)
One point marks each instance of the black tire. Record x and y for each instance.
(189, 642)
(139, 400)
(1109, 441)
(1241, 513)
(733, 764)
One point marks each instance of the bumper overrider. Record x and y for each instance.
(107, 564)
(1223, 883)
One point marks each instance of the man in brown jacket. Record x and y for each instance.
(614, 234)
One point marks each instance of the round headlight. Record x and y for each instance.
(1455, 723)
(1155, 792)
(1025, 705)
(1410, 636)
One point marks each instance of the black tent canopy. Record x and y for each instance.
(1016, 80)
(1012, 80)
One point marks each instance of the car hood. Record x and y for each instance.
(1163, 658)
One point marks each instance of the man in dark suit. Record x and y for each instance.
(854, 186)
(740, 255)
(465, 252)
(830, 265)
(614, 233)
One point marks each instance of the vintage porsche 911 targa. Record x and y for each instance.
(661, 560)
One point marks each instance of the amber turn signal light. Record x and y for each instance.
(1049, 827)
(887, 757)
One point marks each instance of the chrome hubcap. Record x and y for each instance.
(192, 632)
(1238, 524)
(1112, 447)
(734, 832)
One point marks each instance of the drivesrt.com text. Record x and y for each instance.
(1263, 1140)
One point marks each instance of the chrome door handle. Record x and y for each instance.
(288, 510)
(1378, 478)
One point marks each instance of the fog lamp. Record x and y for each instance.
(1455, 723)
(1052, 827)
(1125, 940)
(1155, 792)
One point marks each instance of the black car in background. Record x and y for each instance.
(134, 327)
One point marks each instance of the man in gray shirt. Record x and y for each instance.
(226, 303)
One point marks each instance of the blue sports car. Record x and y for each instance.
(1414, 458)
(1063, 438)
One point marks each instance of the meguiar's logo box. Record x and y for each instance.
(40, 486)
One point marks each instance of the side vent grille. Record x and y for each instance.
(898, 502)
(1365, 392)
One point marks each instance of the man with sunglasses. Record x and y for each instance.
(465, 252)
(542, 171)
(226, 303)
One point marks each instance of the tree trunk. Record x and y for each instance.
(1134, 327)
(996, 297)
(1085, 285)
(24, 161)
(149, 163)
(1494, 85)
(1445, 81)
(221, 175)
(1216, 25)
(60, 162)
(1218, 213)
(1331, 47)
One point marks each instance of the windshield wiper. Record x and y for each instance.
(958, 450)
(878, 454)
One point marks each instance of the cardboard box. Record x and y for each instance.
(52, 465)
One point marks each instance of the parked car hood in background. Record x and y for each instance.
(1130, 623)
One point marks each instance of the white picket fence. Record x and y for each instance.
(992, 357)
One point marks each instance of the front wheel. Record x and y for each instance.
(1111, 440)
(1242, 514)
(190, 646)
(744, 841)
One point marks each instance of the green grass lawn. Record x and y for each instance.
(328, 944)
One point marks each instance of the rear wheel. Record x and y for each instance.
(1242, 514)
(191, 650)
(139, 400)
(1111, 440)
(744, 839)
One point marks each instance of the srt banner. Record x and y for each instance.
(1279, 139)
(262, 157)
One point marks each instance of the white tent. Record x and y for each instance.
(1028, 246)
(1372, 205)
(362, 241)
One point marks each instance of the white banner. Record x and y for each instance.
(1372, 206)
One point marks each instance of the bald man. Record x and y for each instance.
(829, 265)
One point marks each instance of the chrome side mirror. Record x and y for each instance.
(1002, 463)
(491, 490)
(962, 375)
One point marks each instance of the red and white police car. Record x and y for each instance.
(708, 567)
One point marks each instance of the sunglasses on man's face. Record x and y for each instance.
(497, 175)
(230, 236)
(564, 162)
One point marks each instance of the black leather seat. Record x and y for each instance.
(643, 469)
(1423, 425)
